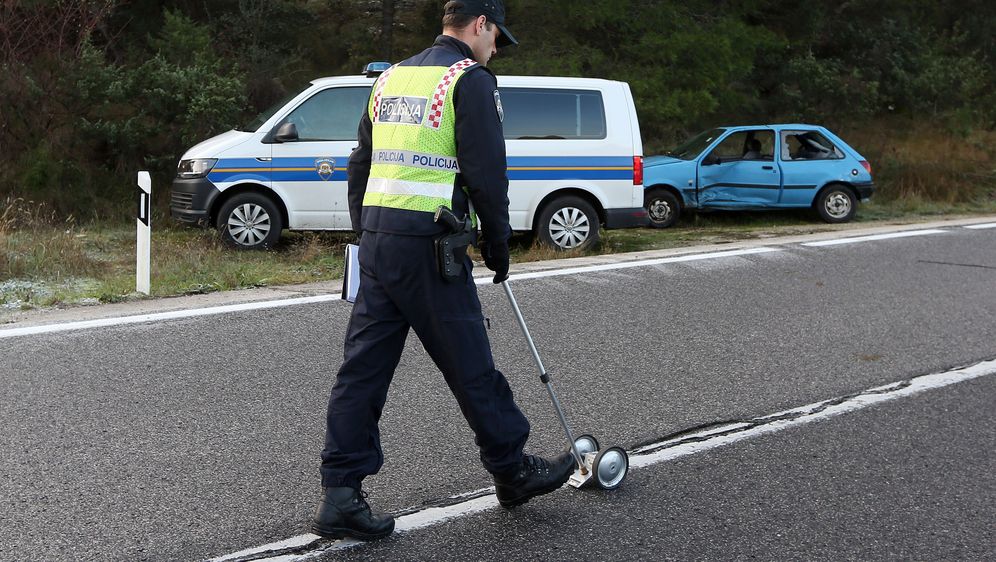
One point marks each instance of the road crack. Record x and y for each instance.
(958, 264)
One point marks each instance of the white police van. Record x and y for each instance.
(575, 162)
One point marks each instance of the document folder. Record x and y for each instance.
(351, 276)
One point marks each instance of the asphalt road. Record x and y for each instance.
(194, 438)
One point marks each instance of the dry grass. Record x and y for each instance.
(924, 163)
(35, 243)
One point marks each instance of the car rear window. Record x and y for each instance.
(808, 145)
(536, 113)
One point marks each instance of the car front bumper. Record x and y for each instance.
(626, 218)
(190, 200)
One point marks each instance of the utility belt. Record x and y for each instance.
(451, 248)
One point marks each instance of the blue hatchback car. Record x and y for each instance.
(758, 167)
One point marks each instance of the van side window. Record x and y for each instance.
(330, 115)
(808, 145)
(533, 113)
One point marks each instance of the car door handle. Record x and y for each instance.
(767, 167)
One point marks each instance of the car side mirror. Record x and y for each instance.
(711, 160)
(286, 132)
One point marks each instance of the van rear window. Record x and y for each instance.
(536, 113)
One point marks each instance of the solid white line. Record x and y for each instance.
(837, 241)
(663, 451)
(172, 315)
(817, 412)
(980, 226)
(189, 313)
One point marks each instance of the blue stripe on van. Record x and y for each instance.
(292, 169)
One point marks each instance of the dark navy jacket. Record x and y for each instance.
(480, 153)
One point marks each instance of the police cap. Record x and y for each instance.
(494, 10)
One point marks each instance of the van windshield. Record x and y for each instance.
(690, 149)
(256, 123)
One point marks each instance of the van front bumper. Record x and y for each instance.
(626, 218)
(190, 200)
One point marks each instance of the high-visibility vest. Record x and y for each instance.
(413, 163)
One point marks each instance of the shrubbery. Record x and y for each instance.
(93, 90)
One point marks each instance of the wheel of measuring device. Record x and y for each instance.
(586, 444)
(610, 468)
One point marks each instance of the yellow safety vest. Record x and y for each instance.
(413, 163)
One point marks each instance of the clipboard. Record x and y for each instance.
(351, 275)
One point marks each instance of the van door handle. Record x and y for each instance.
(767, 167)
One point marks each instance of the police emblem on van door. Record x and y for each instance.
(325, 168)
(501, 112)
(403, 110)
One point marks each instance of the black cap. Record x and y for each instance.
(494, 10)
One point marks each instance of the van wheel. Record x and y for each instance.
(568, 223)
(662, 208)
(249, 221)
(835, 204)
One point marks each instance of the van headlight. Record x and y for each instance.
(196, 168)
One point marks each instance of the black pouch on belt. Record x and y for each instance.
(451, 249)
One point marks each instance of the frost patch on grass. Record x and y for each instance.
(28, 293)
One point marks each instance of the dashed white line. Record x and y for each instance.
(307, 546)
(189, 313)
(486, 280)
(888, 236)
(629, 264)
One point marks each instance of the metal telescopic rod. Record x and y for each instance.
(544, 376)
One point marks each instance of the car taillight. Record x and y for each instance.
(868, 167)
(638, 170)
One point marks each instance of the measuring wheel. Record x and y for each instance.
(610, 468)
(586, 444)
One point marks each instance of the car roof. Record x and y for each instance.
(779, 126)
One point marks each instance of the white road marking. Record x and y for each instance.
(189, 313)
(297, 548)
(629, 264)
(485, 280)
(890, 235)
(981, 226)
(158, 316)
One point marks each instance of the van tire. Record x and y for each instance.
(568, 223)
(835, 203)
(662, 207)
(249, 221)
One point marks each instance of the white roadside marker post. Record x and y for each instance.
(144, 237)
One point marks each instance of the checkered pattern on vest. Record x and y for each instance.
(434, 117)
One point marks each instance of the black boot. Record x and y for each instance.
(344, 512)
(535, 476)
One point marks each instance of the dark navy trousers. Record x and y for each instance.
(400, 288)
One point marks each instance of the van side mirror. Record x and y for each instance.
(711, 159)
(286, 132)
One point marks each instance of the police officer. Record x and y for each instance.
(431, 137)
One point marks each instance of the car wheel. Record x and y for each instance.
(568, 223)
(662, 208)
(836, 204)
(250, 221)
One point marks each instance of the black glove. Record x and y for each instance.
(496, 258)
